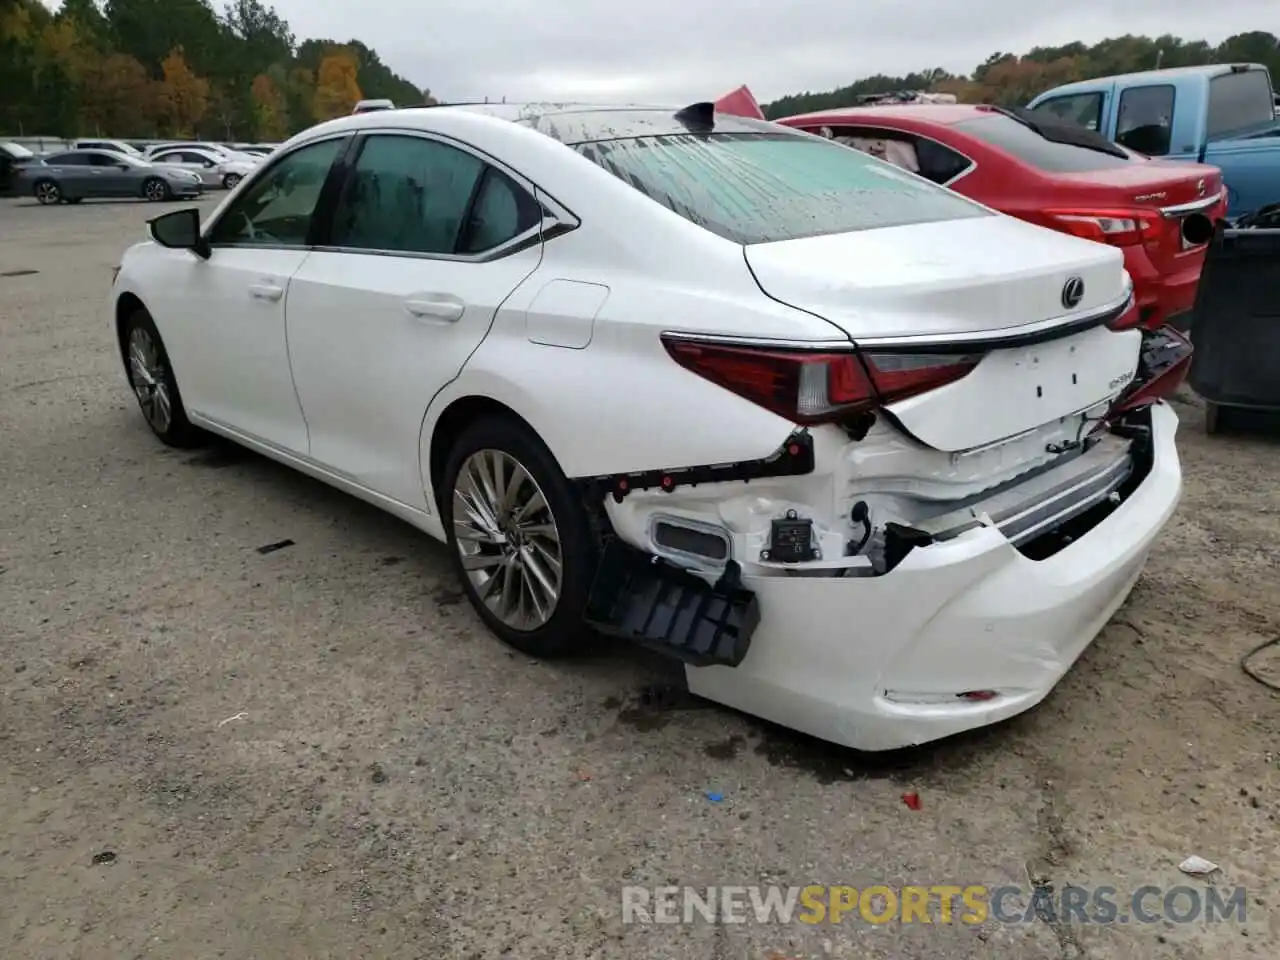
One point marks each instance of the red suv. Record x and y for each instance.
(1056, 174)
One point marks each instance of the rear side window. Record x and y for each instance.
(1240, 101)
(1084, 109)
(406, 194)
(1007, 134)
(930, 159)
(765, 187)
(1145, 119)
(68, 160)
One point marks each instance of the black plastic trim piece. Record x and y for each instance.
(794, 458)
(651, 602)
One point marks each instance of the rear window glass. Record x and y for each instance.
(765, 187)
(1024, 143)
(1240, 101)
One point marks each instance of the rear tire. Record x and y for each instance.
(47, 192)
(155, 190)
(510, 516)
(151, 376)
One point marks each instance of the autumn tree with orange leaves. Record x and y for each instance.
(182, 97)
(337, 90)
(271, 119)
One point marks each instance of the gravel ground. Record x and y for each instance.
(317, 752)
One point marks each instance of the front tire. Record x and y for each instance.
(155, 190)
(519, 537)
(47, 192)
(231, 181)
(151, 376)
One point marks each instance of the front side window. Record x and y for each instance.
(1145, 119)
(277, 208)
(765, 187)
(407, 194)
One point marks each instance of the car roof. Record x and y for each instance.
(943, 113)
(570, 123)
(1207, 70)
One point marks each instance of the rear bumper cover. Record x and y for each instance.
(878, 663)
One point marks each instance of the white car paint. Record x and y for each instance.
(342, 363)
(214, 169)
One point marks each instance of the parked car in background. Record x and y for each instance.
(871, 459)
(115, 146)
(76, 175)
(214, 169)
(256, 149)
(216, 148)
(1221, 114)
(13, 157)
(369, 106)
(1160, 214)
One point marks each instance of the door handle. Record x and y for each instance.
(265, 291)
(435, 307)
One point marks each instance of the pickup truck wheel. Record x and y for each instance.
(519, 537)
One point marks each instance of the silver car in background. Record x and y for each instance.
(214, 168)
(75, 175)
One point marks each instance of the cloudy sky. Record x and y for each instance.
(684, 50)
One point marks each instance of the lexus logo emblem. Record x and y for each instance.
(1200, 188)
(1072, 293)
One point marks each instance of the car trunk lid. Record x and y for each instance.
(991, 286)
(1171, 207)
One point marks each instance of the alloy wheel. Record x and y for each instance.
(232, 181)
(507, 539)
(47, 192)
(147, 375)
(156, 190)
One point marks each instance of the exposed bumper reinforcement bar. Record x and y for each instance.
(1046, 501)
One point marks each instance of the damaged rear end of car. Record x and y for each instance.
(980, 459)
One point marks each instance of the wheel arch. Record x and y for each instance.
(454, 419)
(127, 304)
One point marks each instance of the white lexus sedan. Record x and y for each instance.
(871, 460)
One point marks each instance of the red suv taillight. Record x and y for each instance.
(811, 387)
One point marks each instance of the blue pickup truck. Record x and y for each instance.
(1221, 114)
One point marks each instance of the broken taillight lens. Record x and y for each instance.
(811, 387)
(1163, 365)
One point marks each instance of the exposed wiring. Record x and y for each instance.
(1253, 674)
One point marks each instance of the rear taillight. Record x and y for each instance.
(1120, 228)
(1166, 358)
(816, 387)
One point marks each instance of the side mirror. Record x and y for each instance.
(180, 230)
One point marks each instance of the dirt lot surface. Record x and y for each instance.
(206, 751)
